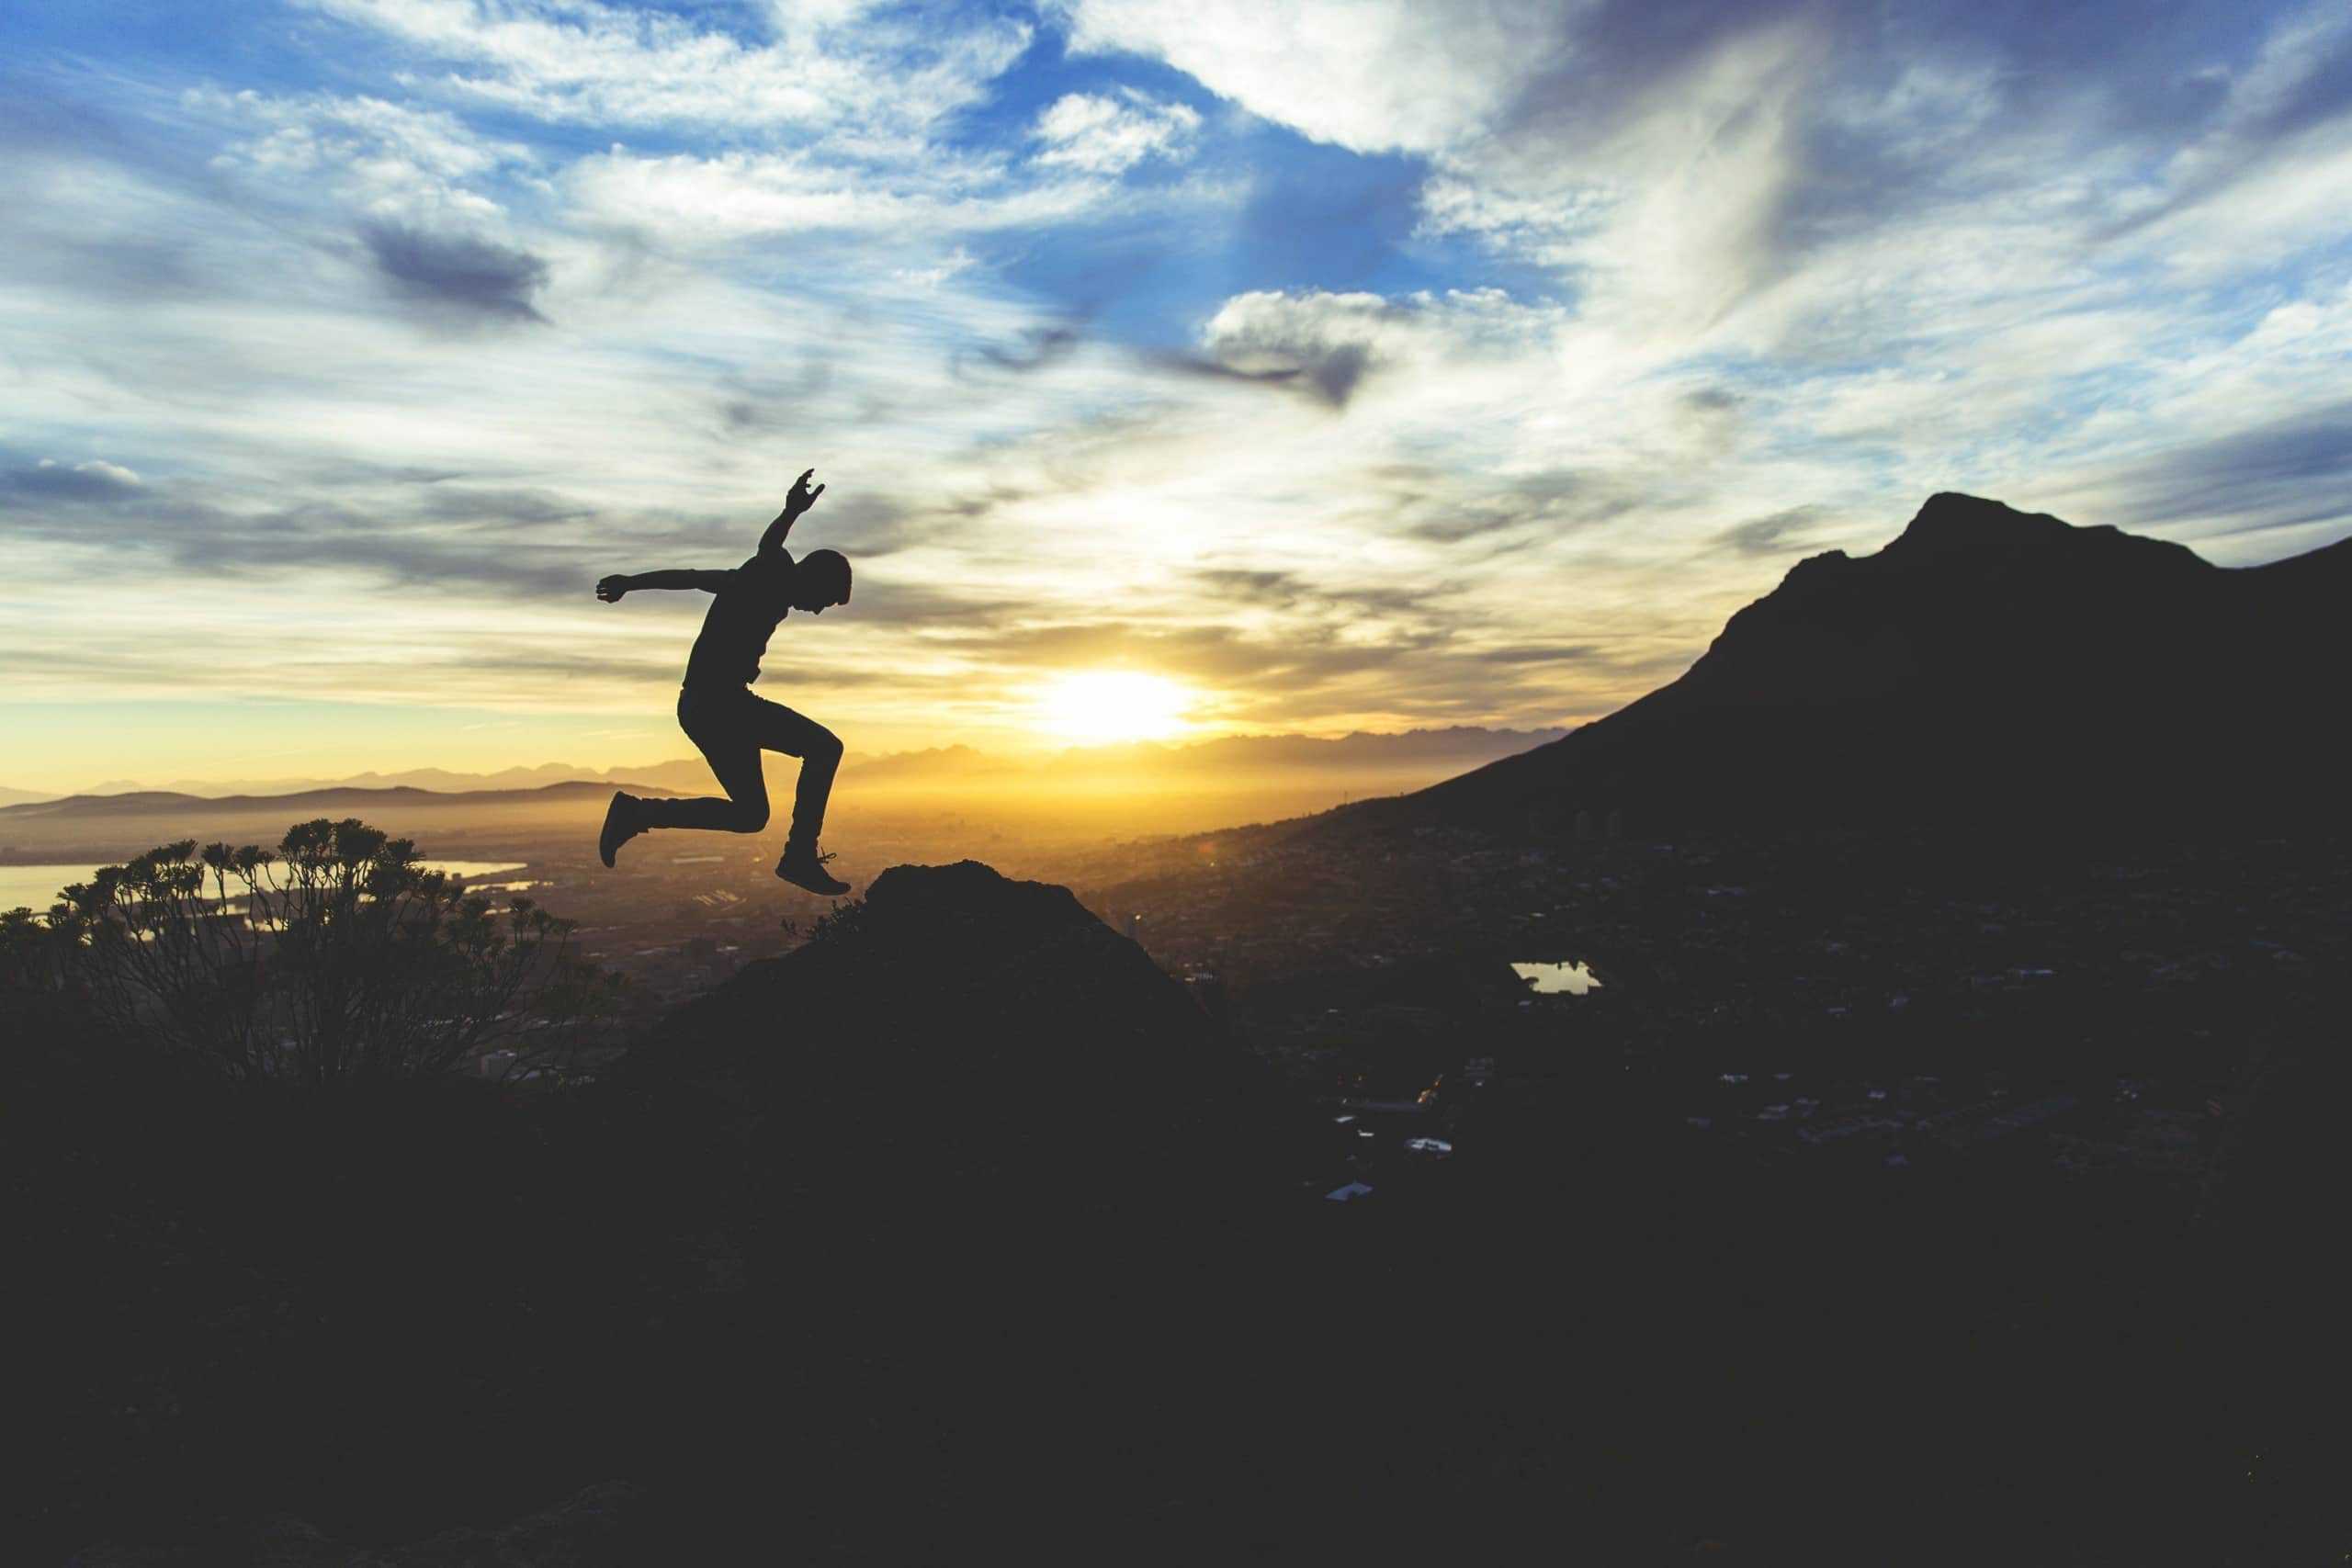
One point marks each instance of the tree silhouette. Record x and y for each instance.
(340, 958)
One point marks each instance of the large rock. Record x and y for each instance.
(965, 1074)
(963, 1043)
(1008, 1202)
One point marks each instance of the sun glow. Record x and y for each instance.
(1094, 706)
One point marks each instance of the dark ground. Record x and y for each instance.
(963, 1232)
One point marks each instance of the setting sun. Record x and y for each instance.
(1097, 706)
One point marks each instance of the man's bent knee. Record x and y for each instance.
(748, 816)
(823, 747)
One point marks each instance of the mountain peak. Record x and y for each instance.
(1953, 530)
(971, 892)
(1952, 520)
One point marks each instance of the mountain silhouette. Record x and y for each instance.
(149, 803)
(1988, 665)
(1400, 755)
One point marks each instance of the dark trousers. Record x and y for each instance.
(731, 728)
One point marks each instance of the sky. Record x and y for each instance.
(1362, 364)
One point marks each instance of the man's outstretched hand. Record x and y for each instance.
(611, 589)
(802, 498)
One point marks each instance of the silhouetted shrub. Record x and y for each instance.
(845, 918)
(338, 958)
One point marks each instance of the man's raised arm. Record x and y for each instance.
(802, 499)
(612, 588)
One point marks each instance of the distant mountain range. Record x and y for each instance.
(440, 780)
(1426, 752)
(1988, 665)
(153, 802)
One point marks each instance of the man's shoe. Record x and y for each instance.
(621, 825)
(804, 867)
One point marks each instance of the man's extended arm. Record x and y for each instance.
(802, 499)
(612, 588)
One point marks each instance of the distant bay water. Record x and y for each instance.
(1548, 979)
(37, 886)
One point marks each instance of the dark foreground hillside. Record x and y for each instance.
(961, 1232)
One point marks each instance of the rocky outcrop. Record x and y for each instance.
(963, 1043)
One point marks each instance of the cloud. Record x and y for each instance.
(579, 60)
(1542, 653)
(1177, 363)
(2297, 88)
(487, 507)
(1328, 340)
(370, 144)
(899, 601)
(1677, 164)
(1776, 535)
(49, 479)
(1370, 76)
(1278, 588)
(428, 535)
(1041, 346)
(2291, 472)
(458, 273)
(315, 539)
(1515, 512)
(1331, 343)
(1297, 590)
(870, 524)
(1100, 134)
(685, 199)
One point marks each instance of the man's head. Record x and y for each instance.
(819, 580)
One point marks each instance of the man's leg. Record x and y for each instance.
(716, 724)
(726, 731)
(779, 729)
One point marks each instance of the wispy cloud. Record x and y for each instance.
(1102, 134)
(1782, 533)
(458, 272)
(49, 479)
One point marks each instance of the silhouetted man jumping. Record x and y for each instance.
(726, 722)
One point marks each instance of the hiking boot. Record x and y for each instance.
(621, 825)
(804, 867)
